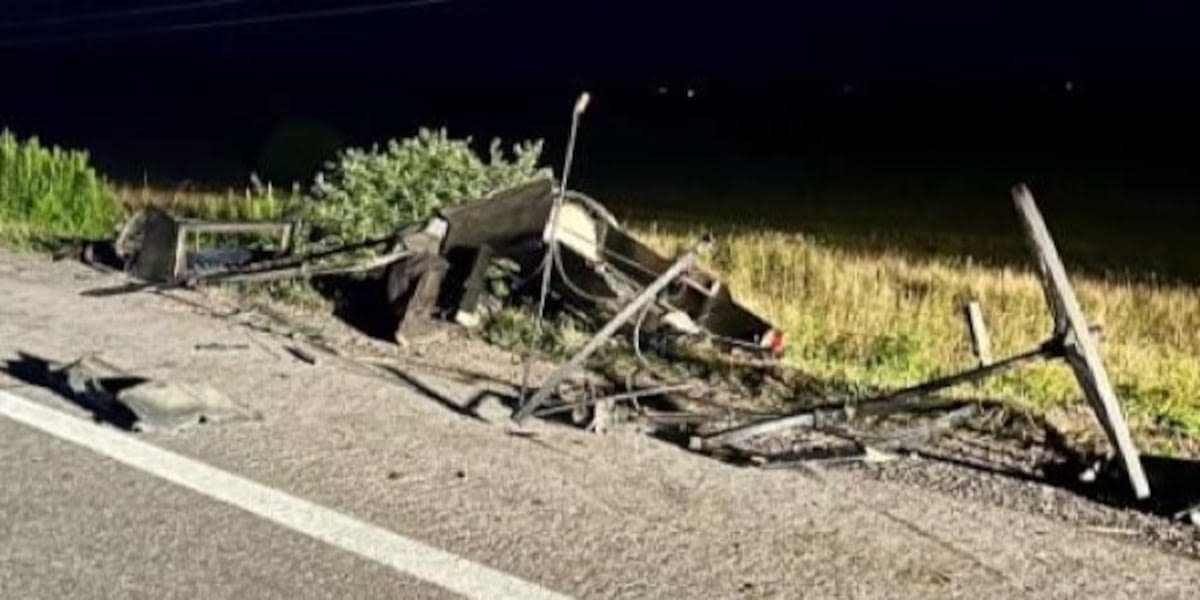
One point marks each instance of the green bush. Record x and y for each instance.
(372, 193)
(52, 192)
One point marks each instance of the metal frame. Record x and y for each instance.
(647, 295)
(284, 229)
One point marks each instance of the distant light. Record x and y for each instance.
(662, 90)
(691, 93)
(1069, 86)
(847, 89)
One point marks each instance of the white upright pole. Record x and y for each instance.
(551, 237)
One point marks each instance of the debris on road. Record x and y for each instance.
(301, 354)
(220, 346)
(161, 248)
(142, 404)
(173, 406)
(680, 354)
(466, 263)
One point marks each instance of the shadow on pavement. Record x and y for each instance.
(97, 396)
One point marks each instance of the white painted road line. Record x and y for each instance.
(405, 555)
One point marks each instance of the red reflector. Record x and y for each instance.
(774, 341)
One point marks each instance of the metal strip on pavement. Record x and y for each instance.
(388, 548)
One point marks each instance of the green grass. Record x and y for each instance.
(889, 318)
(48, 193)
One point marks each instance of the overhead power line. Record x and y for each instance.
(161, 9)
(343, 11)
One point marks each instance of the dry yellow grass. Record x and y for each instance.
(887, 319)
(248, 204)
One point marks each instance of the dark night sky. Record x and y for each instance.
(918, 47)
(981, 92)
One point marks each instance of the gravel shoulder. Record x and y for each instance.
(430, 454)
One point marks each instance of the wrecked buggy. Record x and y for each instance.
(598, 268)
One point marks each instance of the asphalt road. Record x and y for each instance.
(568, 512)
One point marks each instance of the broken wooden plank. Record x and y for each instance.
(303, 270)
(413, 289)
(981, 340)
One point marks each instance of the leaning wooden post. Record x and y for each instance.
(1079, 345)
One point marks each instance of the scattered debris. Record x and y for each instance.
(642, 300)
(156, 244)
(221, 346)
(465, 264)
(142, 404)
(1112, 530)
(866, 454)
(171, 406)
(301, 354)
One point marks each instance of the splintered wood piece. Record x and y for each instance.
(981, 341)
(1078, 343)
